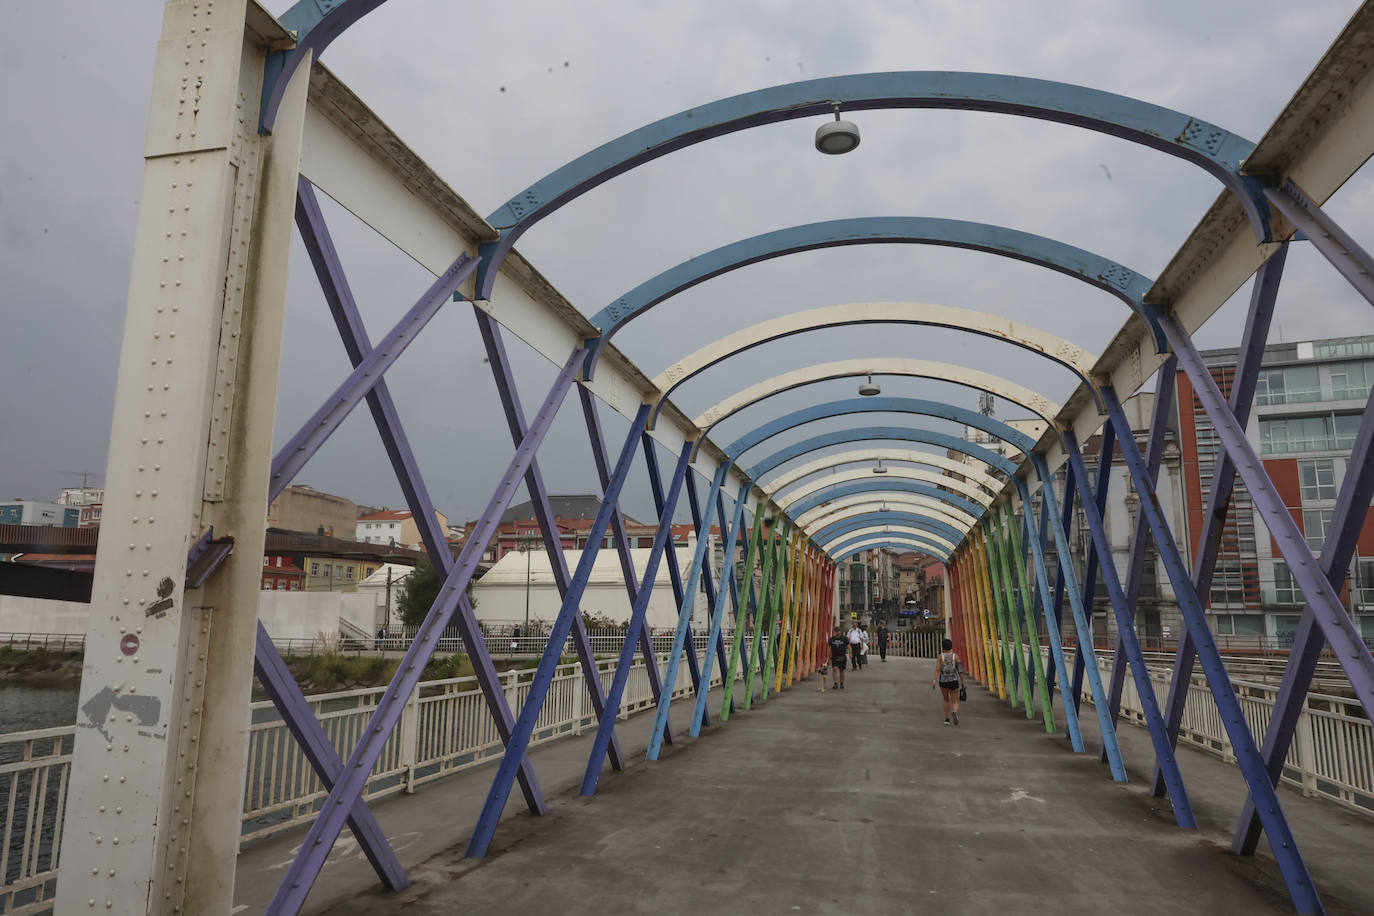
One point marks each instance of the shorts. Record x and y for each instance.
(949, 686)
(838, 662)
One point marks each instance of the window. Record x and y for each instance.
(1351, 381)
(1308, 434)
(1363, 578)
(314, 569)
(1289, 385)
(348, 573)
(1317, 477)
(1351, 346)
(1314, 525)
(1228, 586)
(1286, 590)
(1240, 624)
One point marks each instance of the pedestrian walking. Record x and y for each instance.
(839, 647)
(863, 645)
(949, 676)
(856, 642)
(882, 640)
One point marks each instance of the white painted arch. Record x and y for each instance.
(1067, 354)
(894, 472)
(891, 365)
(973, 471)
(829, 513)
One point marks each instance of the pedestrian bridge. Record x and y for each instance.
(828, 802)
(157, 768)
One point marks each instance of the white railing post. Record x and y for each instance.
(579, 697)
(513, 690)
(409, 737)
(1307, 763)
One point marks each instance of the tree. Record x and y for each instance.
(418, 592)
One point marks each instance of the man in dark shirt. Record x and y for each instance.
(839, 650)
(882, 640)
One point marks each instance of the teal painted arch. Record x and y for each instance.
(883, 485)
(1214, 149)
(894, 539)
(896, 519)
(1127, 285)
(898, 433)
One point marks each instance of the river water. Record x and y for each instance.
(27, 708)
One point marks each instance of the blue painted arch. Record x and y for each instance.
(920, 406)
(900, 433)
(879, 485)
(907, 520)
(894, 539)
(1122, 282)
(1214, 149)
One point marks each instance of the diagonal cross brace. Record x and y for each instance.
(301, 447)
(1284, 844)
(1135, 571)
(1149, 704)
(1347, 521)
(684, 615)
(663, 539)
(727, 578)
(1263, 295)
(539, 498)
(323, 832)
(674, 573)
(338, 295)
(621, 539)
(548, 663)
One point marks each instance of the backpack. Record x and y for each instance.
(949, 669)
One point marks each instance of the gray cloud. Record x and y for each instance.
(435, 71)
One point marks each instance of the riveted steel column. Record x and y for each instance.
(558, 635)
(1183, 810)
(663, 538)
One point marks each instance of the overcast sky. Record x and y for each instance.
(495, 95)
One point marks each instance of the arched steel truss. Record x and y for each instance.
(848, 506)
(1122, 282)
(1069, 355)
(987, 573)
(891, 365)
(981, 486)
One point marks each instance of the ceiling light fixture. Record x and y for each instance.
(835, 138)
(868, 389)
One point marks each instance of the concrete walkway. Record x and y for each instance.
(855, 801)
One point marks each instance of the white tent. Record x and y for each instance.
(500, 594)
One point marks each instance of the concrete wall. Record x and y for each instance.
(287, 615)
(301, 508)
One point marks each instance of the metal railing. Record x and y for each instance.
(53, 642)
(445, 728)
(34, 766)
(499, 644)
(1332, 755)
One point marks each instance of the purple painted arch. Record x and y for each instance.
(1214, 149)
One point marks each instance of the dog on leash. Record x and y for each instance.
(824, 672)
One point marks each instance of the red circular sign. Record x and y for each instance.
(129, 644)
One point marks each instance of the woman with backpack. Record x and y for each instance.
(949, 676)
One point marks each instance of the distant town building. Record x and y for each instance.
(392, 527)
(320, 563)
(305, 509)
(37, 512)
(573, 516)
(1306, 414)
(88, 501)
